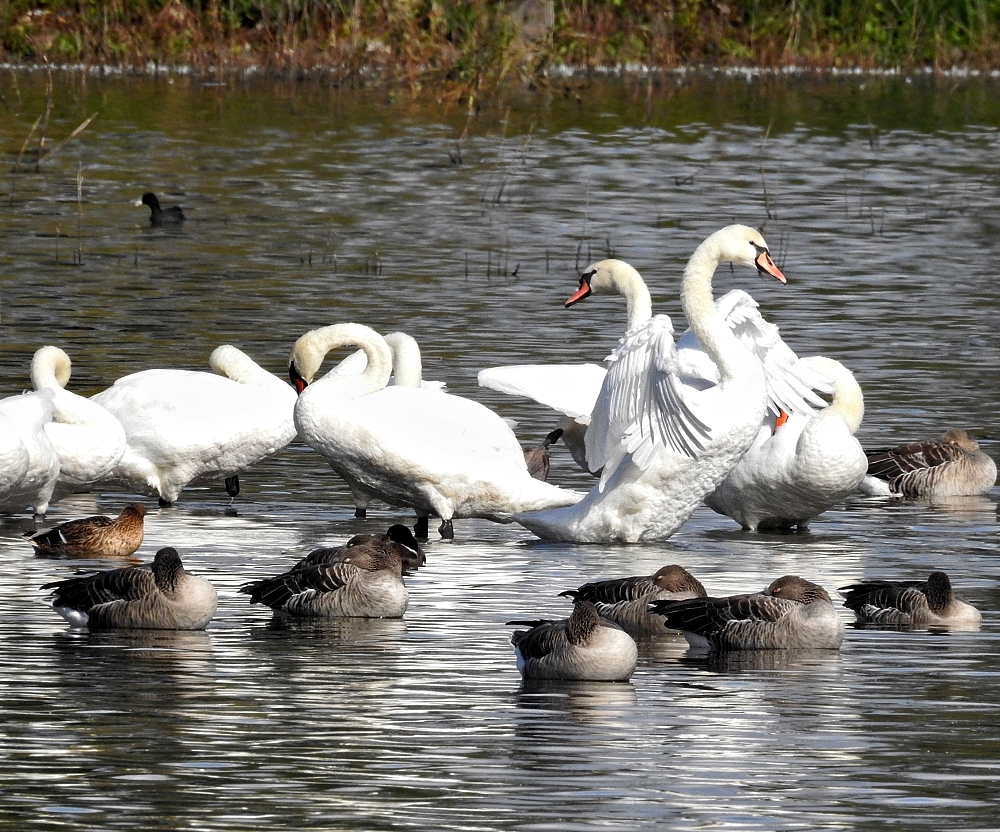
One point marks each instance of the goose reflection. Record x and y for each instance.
(124, 664)
(360, 630)
(583, 701)
(735, 661)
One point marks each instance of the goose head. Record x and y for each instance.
(794, 588)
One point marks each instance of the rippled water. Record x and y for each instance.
(309, 206)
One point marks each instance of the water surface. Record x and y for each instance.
(310, 206)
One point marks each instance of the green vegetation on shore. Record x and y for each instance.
(477, 43)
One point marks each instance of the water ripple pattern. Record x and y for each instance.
(308, 206)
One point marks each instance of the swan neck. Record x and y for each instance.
(848, 399)
(708, 325)
(50, 369)
(236, 365)
(311, 349)
(407, 370)
(638, 303)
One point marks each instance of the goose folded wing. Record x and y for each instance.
(905, 596)
(86, 592)
(275, 592)
(613, 591)
(710, 616)
(540, 640)
(889, 463)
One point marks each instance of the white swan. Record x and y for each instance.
(663, 442)
(572, 389)
(798, 470)
(407, 371)
(90, 441)
(29, 463)
(184, 426)
(14, 458)
(435, 452)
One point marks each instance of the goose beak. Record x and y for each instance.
(298, 382)
(138, 203)
(765, 265)
(583, 292)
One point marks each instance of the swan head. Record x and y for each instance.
(609, 276)
(606, 276)
(745, 246)
(50, 367)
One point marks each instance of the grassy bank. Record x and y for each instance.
(480, 43)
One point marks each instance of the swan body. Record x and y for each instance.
(625, 601)
(407, 371)
(435, 452)
(30, 459)
(185, 426)
(89, 440)
(662, 442)
(583, 647)
(794, 472)
(952, 466)
(930, 603)
(363, 579)
(14, 458)
(96, 536)
(160, 596)
(792, 613)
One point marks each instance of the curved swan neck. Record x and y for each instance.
(406, 365)
(738, 244)
(235, 364)
(638, 303)
(311, 349)
(699, 306)
(50, 368)
(847, 400)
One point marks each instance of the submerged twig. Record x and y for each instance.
(763, 178)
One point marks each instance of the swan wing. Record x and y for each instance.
(791, 386)
(644, 405)
(571, 389)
